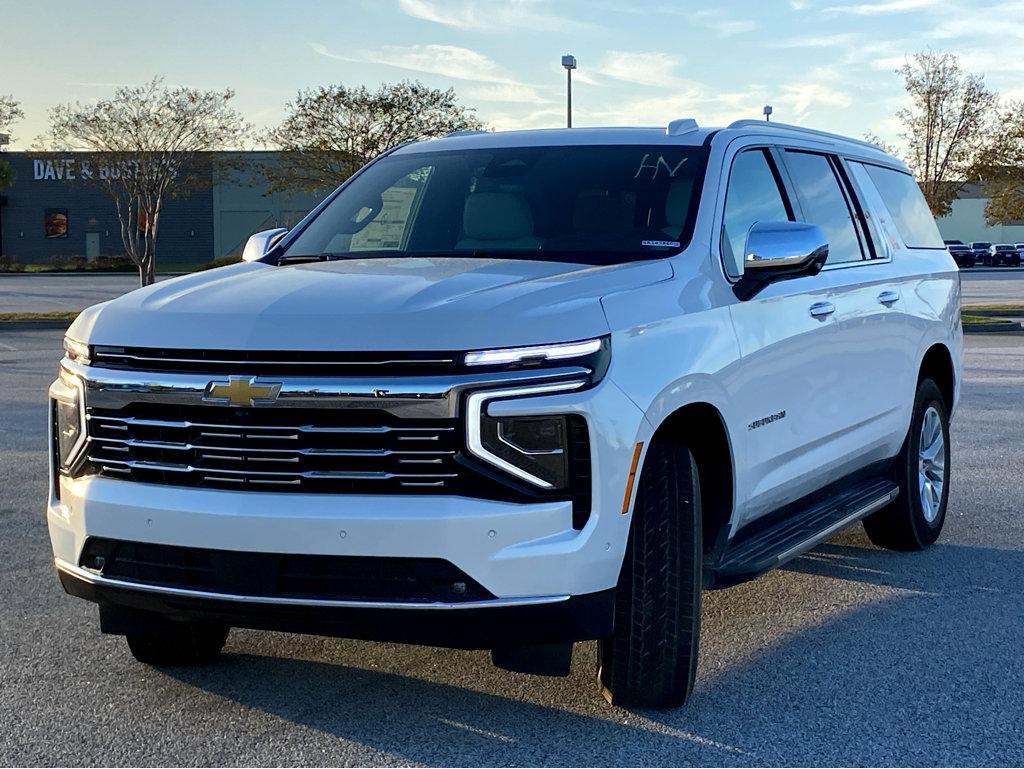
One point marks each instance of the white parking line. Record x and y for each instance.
(8, 347)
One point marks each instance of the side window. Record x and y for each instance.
(825, 204)
(753, 195)
(907, 206)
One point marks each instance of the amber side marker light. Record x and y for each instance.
(632, 477)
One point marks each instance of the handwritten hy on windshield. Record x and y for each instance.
(657, 166)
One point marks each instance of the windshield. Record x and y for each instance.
(588, 204)
(980, 244)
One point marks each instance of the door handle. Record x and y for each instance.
(822, 309)
(888, 297)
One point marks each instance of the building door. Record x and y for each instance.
(92, 245)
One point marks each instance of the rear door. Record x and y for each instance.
(873, 340)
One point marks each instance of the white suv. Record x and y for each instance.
(511, 391)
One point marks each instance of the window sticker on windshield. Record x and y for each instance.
(660, 243)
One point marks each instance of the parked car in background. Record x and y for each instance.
(980, 249)
(1020, 249)
(1003, 255)
(961, 253)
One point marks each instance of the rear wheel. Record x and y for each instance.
(651, 660)
(178, 643)
(914, 519)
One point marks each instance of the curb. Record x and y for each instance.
(1007, 327)
(26, 325)
(1006, 311)
(83, 273)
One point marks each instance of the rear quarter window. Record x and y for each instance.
(907, 207)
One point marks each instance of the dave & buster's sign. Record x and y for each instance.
(74, 169)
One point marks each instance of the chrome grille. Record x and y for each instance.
(274, 449)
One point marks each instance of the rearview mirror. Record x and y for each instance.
(780, 250)
(257, 246)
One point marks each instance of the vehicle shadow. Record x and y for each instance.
(923, 668)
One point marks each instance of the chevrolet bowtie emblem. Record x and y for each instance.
(242, 391)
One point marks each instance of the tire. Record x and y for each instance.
(914, 520)
(184, 643)
(651, 660)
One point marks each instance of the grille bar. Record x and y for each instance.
(309, 452)
(355, 430)
(259, 474)
(277, 362)
(107, 356)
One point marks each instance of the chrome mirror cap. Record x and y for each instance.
(257, 246)
(773, 246)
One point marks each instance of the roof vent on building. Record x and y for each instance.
(682, 126)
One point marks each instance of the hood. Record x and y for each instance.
(368, 304)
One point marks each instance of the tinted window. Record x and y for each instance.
(907, 205)
(576, 204)
(825, 204)
(753, 196)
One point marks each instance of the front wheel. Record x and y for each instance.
(651, 660)
(914, 520)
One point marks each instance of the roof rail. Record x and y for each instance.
(464, 132)
(751, 123)
(681, 126)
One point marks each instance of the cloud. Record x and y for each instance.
(485, 14)
(448, 61)
(884, 7)
(653, 68)
(506, 92)
(801, 98)
(723, 25)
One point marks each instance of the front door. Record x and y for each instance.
(784, 388)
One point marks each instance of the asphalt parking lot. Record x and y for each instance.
(850, 656)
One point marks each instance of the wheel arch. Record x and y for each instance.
(937, 365)
(702, 428)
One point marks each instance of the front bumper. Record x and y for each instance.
(476, 625)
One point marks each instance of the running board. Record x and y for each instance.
(749, 555)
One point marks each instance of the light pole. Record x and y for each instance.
(767, 112)
(569, 62)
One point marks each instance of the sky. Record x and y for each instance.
(822, 63)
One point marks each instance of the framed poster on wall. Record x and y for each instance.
(56, 222)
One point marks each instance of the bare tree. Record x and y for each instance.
(329, 132)
(151, 142)
(946, 126)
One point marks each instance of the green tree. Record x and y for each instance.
(153, 143)
(330, 132)
(10, 112)
(1000, 166)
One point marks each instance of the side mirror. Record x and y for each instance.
(780, 250)
(257, 246)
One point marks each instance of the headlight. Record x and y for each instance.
(68, 418)
(76, 351)
(533, 448)
(525, 356)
